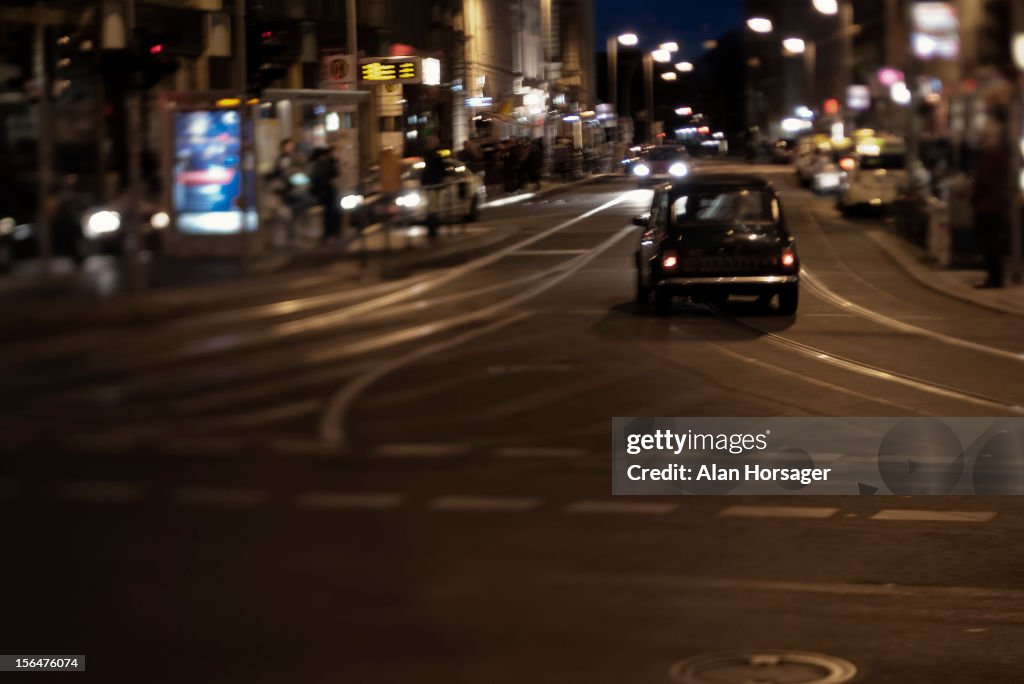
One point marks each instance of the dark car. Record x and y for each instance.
(715, 235)
(660, 163)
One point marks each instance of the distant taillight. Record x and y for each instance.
(847, 164)
(788, 258)
(669, 260)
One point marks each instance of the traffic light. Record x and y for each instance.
(154, 62)
(266, 49)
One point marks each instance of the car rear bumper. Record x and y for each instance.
(737, 285)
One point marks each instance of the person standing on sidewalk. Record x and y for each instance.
(991, 196)
(431, 178)
(322, 174)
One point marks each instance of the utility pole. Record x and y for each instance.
(649, 83)
(247, 167)
(47, 201)
(130, 223)
(1015, 131)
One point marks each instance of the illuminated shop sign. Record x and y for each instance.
(391, 70)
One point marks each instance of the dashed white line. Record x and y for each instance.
(777, 512)
(100, 492)
(539, 452)
(425, 450)
(617, 507)
(228, 497)
(484, 504)
(910, 515)
(335, 501)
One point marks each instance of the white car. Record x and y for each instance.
(877, 181)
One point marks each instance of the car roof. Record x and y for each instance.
(723, 181)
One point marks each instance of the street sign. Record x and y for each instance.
(374, 70)
(338, 72)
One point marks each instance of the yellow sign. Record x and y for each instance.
(385, 69)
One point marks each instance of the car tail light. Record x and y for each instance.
(669, 261)
(847, 164)
(788, 258)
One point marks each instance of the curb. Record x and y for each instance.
(909, 259)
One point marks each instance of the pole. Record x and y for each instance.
(351, 34)
(1016, 132)
(47, 202)
(130, 224)
(811, 74)
(613, 73)
(246, 162)
(649, 101)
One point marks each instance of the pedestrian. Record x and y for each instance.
(431, 179)
(535, 162)
(323, 172)
(990, 198)
(290, 183)
(511, 169)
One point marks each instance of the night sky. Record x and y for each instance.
(656, 21)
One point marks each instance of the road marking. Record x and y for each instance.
(483, 504)
(211, 495)
(100, 492)
(616, 507)
(504, 201)
(549, 252)
(332, 419)
(902, 514)
(335, 501)
(539, 452)
(425, 450)
(777, 512)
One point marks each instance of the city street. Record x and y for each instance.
(408, 480)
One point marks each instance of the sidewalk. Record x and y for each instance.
(952, 282)
(96, 292)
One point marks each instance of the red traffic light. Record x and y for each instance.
(831, 106)
(156, 49)
(267, 34)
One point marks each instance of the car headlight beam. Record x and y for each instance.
(350, 202)
(678, 169)
(100, 223)
(642, 170)
(409, 200)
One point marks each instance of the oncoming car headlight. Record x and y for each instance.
(350, 202)
(642, 170)
(160, 220)
(678, 169)
(100, 223)
(409, 200)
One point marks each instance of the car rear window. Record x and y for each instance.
(883, 161)
(721, 206)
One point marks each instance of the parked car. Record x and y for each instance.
(876, 178)
(459, 198)
(711, 236)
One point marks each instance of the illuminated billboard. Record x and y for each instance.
(207, 171)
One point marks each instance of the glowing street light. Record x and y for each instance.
(669, 75)
(759, 25)
(827, 6)
(794, 46)
(628, 39)
(671, 46)
(684, 111)
(684, 67)
(661, 55)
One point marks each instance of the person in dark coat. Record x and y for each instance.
(991, 198)
(432, 175)
(322, 175)
(535, 162)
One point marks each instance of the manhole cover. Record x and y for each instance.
(763, 667)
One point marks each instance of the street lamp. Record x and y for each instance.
(661, 55)
(628, 39)
(829, 7)
(794, 46)
(685, 67)
(759, 25)
(669, 76)
(670, 46)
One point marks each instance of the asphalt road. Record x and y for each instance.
(409, 481)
